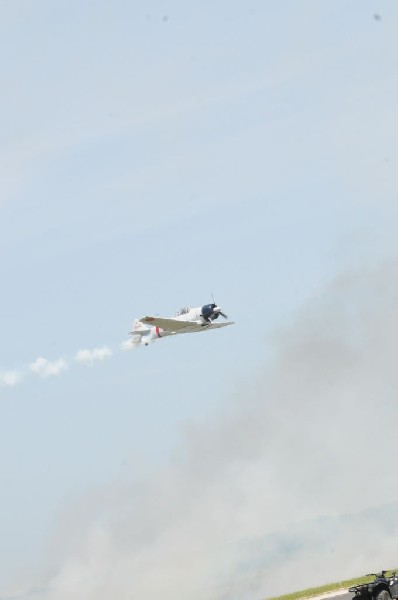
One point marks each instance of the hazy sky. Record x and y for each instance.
(153, 154)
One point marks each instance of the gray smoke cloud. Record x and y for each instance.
(292, 484)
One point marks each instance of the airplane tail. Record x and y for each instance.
(141, 333)
(139, 328)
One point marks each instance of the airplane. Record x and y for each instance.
(186, 320)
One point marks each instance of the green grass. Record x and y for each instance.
(323, 589)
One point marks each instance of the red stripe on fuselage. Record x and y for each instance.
(157, 331)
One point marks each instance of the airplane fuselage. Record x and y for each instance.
(197, 319)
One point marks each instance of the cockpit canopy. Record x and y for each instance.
(182, 311)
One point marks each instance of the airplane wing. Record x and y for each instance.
(178, 326)
(171, 324)
(221, 324)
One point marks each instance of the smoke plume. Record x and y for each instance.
(292, 484)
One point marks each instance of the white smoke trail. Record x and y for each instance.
(46, 368)
(88, 357)
(10, 378)
(128, 345)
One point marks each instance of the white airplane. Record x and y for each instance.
(186, 320)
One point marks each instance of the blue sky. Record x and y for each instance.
(153, 154)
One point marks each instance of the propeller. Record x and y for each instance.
(210, 312)
(217, 311)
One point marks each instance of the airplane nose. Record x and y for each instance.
(216, 309)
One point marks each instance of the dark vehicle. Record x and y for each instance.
(394, 585)
(381, 588)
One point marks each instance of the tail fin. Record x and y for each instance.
(141, 334)
(139, 328)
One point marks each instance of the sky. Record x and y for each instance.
(151, 155)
